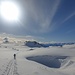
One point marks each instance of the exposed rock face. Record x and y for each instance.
(5, 40)
(32, 44)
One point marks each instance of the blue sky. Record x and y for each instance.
(48, 20)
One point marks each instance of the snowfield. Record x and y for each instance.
(36, 61)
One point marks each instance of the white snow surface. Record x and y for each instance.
(36, 61)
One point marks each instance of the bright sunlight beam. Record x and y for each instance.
(9, 11)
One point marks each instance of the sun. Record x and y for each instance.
(9, 11)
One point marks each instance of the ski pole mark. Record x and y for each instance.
(15, 68)
(11, 68)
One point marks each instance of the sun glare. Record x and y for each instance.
(9, 11)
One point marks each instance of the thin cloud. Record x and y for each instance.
(45, 21)
(46, 24)
(70, 16)
(42, 16)
(58, 24)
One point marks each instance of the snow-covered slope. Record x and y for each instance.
(36, 61)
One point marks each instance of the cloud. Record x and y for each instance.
(58, 24)
(67, 18)
(41, 12)
(46, 24)
(15, 38)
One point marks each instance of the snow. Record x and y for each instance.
(36, 61)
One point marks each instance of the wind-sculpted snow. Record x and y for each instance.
(50, 61)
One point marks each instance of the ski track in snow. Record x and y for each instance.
(11, 68)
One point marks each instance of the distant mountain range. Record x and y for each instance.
(36, 44)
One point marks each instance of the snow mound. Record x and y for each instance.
(50, 61)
